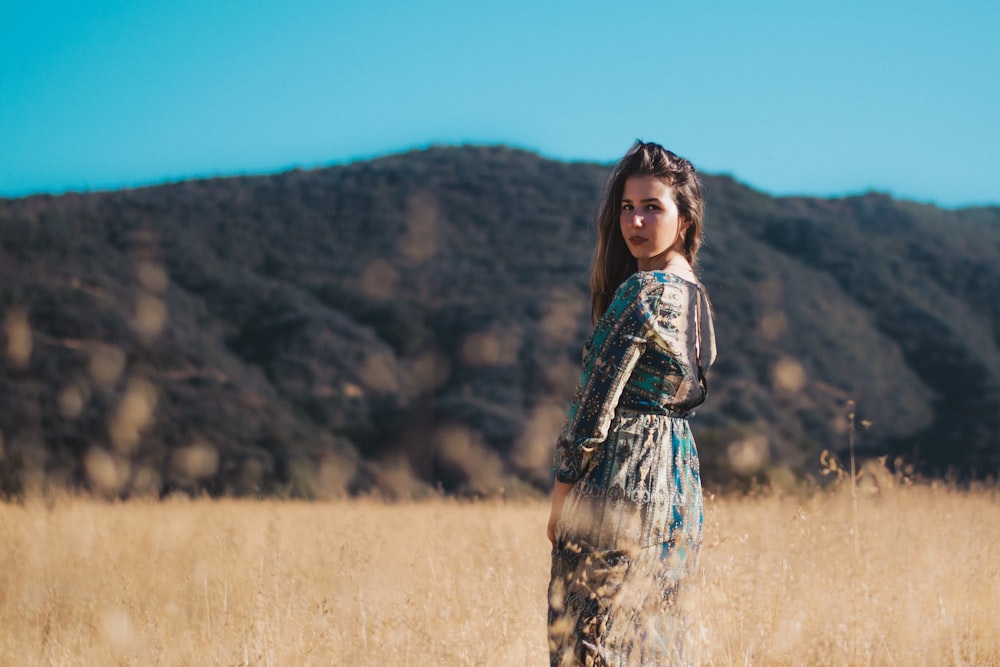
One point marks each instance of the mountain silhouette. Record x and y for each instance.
(415, 321)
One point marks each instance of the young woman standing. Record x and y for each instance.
(626, 505)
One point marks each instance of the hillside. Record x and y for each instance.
(416, 320)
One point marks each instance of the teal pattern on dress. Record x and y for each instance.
(630, 529)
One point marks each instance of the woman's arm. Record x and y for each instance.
(615, 347)
(618, 342)
(559, 492)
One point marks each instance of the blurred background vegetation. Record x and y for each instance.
(414, 322)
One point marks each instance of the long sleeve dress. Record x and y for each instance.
(630, 529)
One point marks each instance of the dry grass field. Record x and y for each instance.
(910, 577)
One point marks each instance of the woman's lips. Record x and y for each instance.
(636, 240)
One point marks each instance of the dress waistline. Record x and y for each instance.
(659, 411)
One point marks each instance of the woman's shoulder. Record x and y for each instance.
(649, 291)
(631, 287)
(653, 291)
(646, 284)
(669, 278)
(664, 291)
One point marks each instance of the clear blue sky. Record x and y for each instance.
(790, 97)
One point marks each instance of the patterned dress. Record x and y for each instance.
(630, 529)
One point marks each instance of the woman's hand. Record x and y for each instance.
(559, 492)
(550, 530)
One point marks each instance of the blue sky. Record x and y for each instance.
(789, 97)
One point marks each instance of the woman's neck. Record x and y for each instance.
(669, 261)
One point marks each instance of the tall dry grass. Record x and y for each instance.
(783, 582)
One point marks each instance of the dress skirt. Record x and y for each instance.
(626, 543)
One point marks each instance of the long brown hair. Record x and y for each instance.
(613, 262)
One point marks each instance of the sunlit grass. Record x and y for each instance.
(443, 582)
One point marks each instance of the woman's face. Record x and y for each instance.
(649, 222)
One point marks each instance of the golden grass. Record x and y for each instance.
(782, 582)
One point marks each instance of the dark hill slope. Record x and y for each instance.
(416, 319)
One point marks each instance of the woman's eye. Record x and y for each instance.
(626, 207)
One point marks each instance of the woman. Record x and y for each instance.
(626, 504)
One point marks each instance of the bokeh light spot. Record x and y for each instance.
(748, 455)
(150, 316)
(490, 348)
(789, 375)
(152, 277)
(379, 280)
(107, 363)
(196, 461)
(19, 341)
(133, 415)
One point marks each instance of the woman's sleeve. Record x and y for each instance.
(619, 340)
